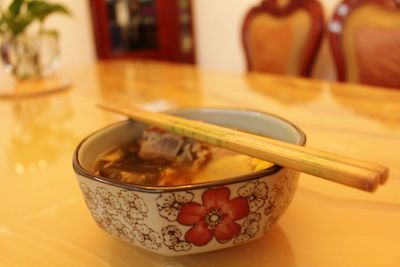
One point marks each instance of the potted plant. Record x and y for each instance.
(28, 48)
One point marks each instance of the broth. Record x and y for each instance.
(161, 158)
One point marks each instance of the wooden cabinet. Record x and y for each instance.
(153, 29)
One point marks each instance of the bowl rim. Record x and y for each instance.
(79, 169)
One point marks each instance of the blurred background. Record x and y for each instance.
(216, 26)
(345, 40)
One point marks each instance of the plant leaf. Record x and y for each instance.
(17, 24)
(1, 26)
(15, 7)
(41, 9)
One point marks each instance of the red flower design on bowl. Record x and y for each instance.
(215, 217)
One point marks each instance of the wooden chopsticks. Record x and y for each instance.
(344, 170)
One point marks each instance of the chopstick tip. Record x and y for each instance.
(385, 176)
(372, 186)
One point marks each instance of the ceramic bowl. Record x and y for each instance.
(191, 218)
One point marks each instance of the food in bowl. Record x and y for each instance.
(188, 217)
(162, 158)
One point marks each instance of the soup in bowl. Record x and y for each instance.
(175, 196)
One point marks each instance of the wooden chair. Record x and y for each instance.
(283, 36)
(365, 41)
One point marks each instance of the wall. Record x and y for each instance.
(77, 44)
(218, 44)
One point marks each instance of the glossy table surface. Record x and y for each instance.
(44, 220)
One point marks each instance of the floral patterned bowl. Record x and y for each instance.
(191, 218)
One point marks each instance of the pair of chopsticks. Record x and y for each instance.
(347, 171)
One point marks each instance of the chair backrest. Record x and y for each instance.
(365, 41)
(283, 36)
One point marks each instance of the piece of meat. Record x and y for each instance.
(181, 151)
(160, 146)
(186, 154)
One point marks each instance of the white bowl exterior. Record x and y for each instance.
(149, 220)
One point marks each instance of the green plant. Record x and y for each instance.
(20, 14)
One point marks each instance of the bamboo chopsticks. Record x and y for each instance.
(351, 172)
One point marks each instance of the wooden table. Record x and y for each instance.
(44, 221)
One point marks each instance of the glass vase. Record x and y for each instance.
(30, 55)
